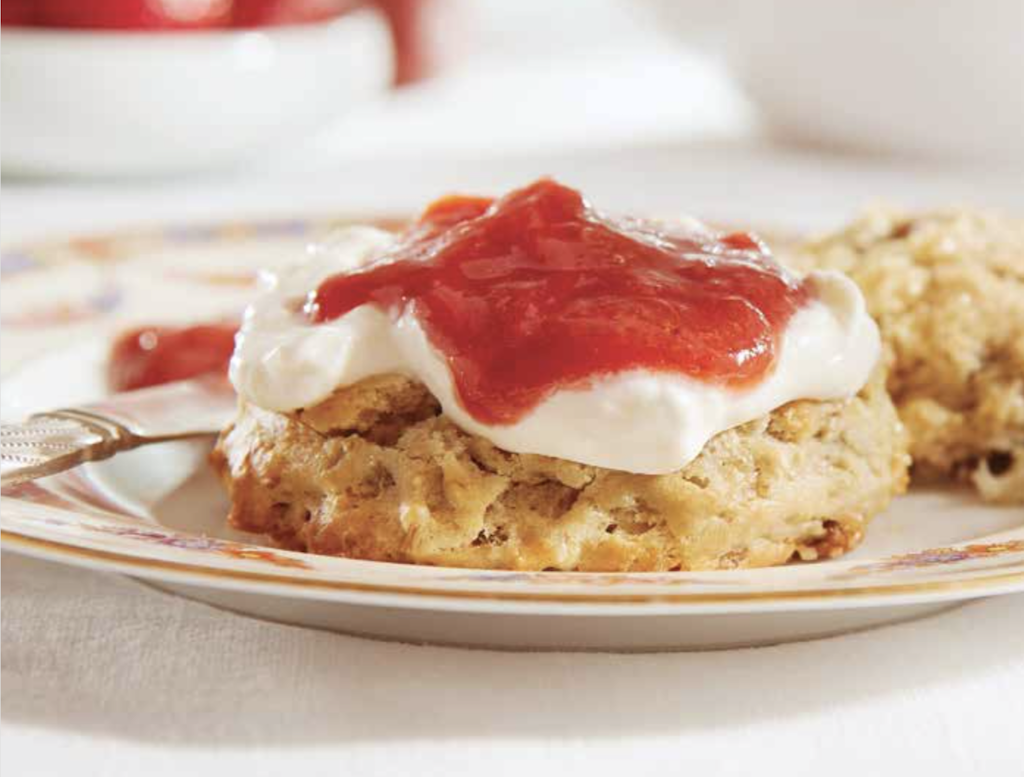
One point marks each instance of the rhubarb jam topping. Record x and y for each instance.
(536, 292)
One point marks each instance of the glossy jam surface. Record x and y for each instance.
(152, 355)
(535, 292)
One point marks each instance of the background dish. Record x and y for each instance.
(182, 101)
(890, 101)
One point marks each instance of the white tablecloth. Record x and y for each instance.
(106, 676)
(102, 675)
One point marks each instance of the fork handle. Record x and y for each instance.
(49, 443)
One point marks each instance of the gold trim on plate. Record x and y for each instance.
(53, 547)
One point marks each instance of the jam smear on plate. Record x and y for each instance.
(537, 292)
(152, 355)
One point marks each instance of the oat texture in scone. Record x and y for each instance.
(378, 472)
(947, 290)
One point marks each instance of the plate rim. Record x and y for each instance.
(997, 582)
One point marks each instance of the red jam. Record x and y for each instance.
(151, 355)
(536, 292)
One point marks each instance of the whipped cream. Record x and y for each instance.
(637, 421)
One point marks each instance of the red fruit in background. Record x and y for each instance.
(405, 19)
(413, 55)
(17, 12)
(269, 13)
(132, 14)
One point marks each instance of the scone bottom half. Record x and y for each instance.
(377, 472)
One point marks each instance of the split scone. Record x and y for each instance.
(376, 471)
(526, 383)
(947, 290)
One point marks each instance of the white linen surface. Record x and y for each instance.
(102, 675)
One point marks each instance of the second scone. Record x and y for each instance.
(947, 291)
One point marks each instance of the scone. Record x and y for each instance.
(378, 472)
(947, 290)
(528, 384)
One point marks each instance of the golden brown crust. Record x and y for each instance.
(947, 290)
(376, 472)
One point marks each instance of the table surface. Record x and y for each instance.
(102, 675)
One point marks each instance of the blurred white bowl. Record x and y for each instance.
(107, 103)
(914, 77)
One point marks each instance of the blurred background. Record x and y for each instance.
(792, 112)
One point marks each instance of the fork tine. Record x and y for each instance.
(49, 443)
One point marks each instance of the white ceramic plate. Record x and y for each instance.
(158, 514)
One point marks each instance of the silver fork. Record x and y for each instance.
(51, 442)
